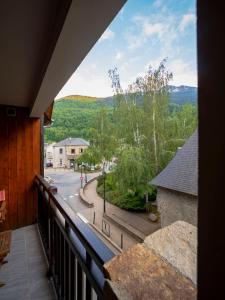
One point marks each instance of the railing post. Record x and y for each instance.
(88, 285)
(51, 237)
(66, 240)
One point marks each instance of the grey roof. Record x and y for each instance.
(72, 142)
(181, 174)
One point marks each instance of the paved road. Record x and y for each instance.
(68, 184)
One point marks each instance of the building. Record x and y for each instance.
(48, 154)
(66, 151)
(177, 190)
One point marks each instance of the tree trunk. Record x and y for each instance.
(154, 132)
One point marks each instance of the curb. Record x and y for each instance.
(81, 193)
(137, 235)
(108, 239)
(82, 197)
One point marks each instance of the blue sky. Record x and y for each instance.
(142, 34)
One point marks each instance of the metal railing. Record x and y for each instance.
(75, 254)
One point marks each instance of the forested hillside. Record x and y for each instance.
(73, 118)
(74, 115)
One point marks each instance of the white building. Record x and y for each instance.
(66, 151)
(49, 155)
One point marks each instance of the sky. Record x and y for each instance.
(142, 34)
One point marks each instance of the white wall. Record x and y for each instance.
(57, 156)
(49, 153)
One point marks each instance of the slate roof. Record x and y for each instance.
(72, 142)
(181, 174)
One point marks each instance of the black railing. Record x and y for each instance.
(75, 254)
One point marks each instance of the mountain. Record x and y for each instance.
(73, 115)
(178, 94)
(183, 94)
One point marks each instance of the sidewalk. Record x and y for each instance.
(134, 222)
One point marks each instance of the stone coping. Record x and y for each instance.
(141, 274)
(163, 267)
(177, 243)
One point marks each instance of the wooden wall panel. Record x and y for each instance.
(19, 163)
(21, 170)
(4, 160)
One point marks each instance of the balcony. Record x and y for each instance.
(60, 257)
(24, 275)
(74, 254)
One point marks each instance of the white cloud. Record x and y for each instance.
(158, 3)
(119, 55)
(183, 73)
(156, 36)
(151, 29)
(160, 29)
(86, 83)
(187, 20)
(107, 35)
(148, 28)
(134, 41)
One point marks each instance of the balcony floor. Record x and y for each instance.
(25, 273)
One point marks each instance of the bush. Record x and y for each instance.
(130, 200)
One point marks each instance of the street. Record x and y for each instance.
(68, 185)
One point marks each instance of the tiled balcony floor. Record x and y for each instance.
(25, 273)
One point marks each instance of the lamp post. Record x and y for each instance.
(146, 201)
(85, 168)
(104, 176)
(81, 176)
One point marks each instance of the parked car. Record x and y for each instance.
(49, 165)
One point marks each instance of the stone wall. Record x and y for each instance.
(174, 206)
(162, 268)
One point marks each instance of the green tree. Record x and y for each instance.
(103, 139)
(91, 156)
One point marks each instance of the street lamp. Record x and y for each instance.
(85, 169)
(81, 176)
(104, 177)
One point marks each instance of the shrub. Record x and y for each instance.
(129, 200)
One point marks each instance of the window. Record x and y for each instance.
(81, 150)
(60, 150)
(72, 151)
(60, 162)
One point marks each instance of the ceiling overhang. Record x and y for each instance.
(42, 44)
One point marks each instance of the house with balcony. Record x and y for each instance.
(53, 254)
(67, 151)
